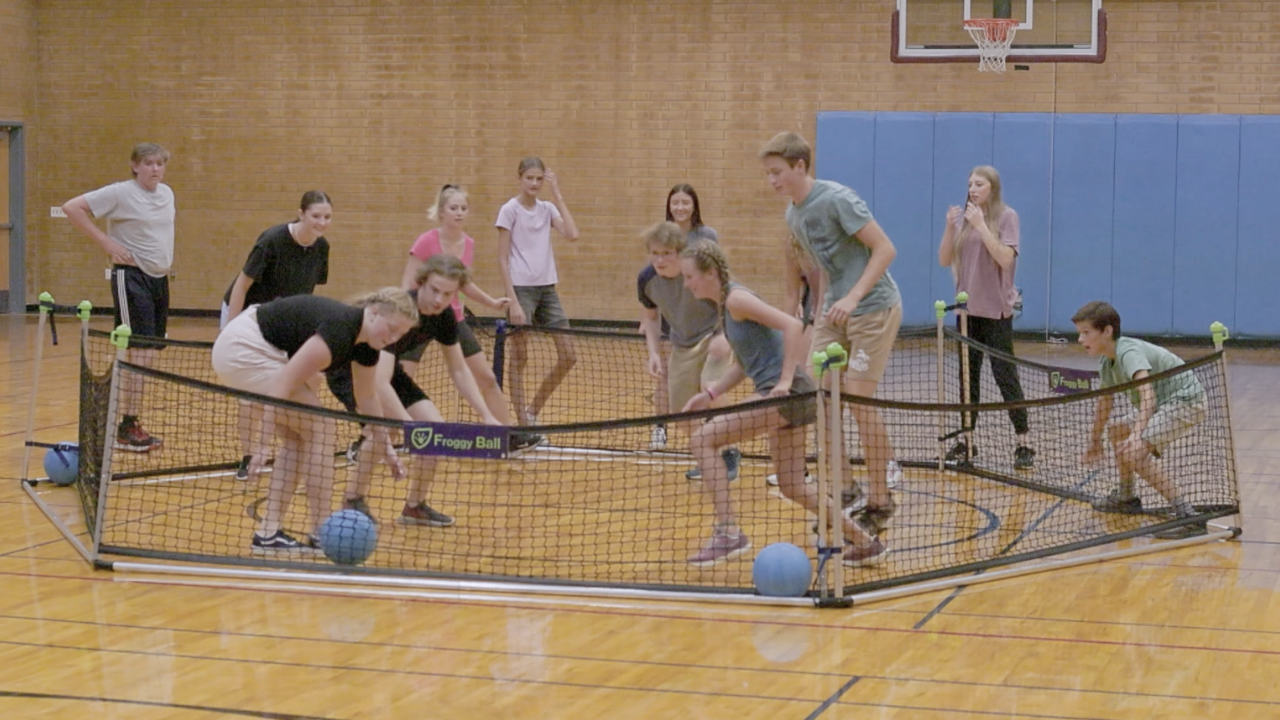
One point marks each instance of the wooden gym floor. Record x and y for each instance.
(1184, 633)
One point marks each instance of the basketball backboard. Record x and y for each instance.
(1047, 30)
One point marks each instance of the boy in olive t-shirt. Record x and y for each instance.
(1163, 412)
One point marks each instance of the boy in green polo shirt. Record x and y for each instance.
(1163, 412)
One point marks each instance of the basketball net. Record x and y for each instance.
(993, 36)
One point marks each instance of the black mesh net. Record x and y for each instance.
(601, 504)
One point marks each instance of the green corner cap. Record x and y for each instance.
(962, 297)
(940, 307)
(1219, 332)
(84, 309)
(120, 336)
(46, 302)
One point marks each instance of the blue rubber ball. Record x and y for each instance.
(782, 570)
(62, 462)
(348, 537)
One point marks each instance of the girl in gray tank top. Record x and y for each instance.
(770, 348)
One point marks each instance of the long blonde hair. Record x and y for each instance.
(442, 197)
(389, 301)
(992, 213)
(708, 256)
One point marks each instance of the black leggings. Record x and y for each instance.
(997, 334)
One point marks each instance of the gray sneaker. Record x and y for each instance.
(1118, 502)
(732, 458)
(424, 514)
(721, 546)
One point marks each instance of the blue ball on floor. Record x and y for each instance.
(348, 537)
(62, 463)
(782, 570)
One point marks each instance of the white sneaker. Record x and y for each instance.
(658, 437)
(893, 473)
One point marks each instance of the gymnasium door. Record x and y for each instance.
(5, 225)
(12, 220)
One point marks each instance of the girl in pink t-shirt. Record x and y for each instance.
(451, 209)
(980, 244)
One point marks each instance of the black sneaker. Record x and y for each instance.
(1118, 502)
(283, 541)
(960, 454)
(1024, 458)
(359, 504)
(424, 514)
(522, 442)
(1181, 531)
(242, 470)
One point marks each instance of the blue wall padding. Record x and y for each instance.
(1171, 218)
(849, 161)
(1257, 262)
(1083, 190)
(1022, 155)
(1204, 242)
(1142, 236)
(903, 146)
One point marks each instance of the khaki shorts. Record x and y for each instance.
(245, 360)
(1169, 422)
(688, 371)
(868, 337)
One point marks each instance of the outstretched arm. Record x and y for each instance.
(1101, 414)
(466, 382)
(477, 293)
(882, 254)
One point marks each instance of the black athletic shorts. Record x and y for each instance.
(142, 301)
(341, 386)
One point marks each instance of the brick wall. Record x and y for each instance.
(379, 103)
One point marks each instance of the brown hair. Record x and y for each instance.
(446, 266)
(141, 151)
(532, 161)
(666, 234)
(790, 147)
(1099, 315)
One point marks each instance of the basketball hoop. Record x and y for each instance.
(993, 36)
